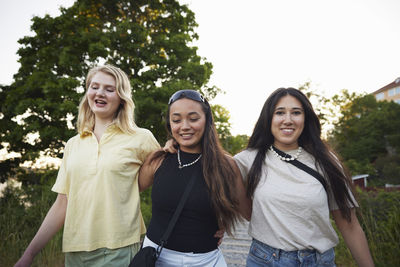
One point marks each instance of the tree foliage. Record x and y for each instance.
(318, 101)
(221, 120)
(235, 144)
(388, 169)
(367, 130)
(149, 40)
(363, 131)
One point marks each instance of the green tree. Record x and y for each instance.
(232, 144)
(318, 101)
(367, 129)
(327, 109)
(339, 103)
(388, 169)
(221, 119)
(235, 144)
(149, 40)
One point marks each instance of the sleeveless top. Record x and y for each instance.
(194, 231)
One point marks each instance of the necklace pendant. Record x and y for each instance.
(180, 167)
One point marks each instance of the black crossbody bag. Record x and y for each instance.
(147, 256)
(304, 167)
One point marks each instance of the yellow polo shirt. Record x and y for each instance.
(100, 181)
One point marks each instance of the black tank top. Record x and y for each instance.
(197, 224)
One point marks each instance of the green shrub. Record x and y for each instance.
(145, 205)
(380, 219)
(22, 211)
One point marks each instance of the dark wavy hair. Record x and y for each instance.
(338, 178)
(217, 170)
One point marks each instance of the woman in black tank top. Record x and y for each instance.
(217, 199)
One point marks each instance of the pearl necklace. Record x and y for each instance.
(284, 158)
(188, 164)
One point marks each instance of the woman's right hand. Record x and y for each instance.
(24, 261)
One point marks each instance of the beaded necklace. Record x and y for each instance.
(187, 164)
(287, 157)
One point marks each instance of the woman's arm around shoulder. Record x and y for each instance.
(148, 169)
(244, 202)
(354, 238)
(53, 222)
(170, 146)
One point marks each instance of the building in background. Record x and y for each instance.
(390, 92)
(360, 180)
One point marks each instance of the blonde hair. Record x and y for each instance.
(124, 117)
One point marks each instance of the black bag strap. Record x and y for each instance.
(177, 212)
(303, 167)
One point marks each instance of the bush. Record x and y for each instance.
(22, 211)
(145, 205)
(380, 219)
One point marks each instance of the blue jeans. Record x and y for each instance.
(262, 255)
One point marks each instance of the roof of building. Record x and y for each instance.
(389, 86)
(359, 176)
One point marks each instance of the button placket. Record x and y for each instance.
(95, 155)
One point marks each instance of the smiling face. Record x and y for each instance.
(102, 96)
(287, 123)
(187, 120)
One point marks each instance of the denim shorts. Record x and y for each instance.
(263, 255)
(172, 258)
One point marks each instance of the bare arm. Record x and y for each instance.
(354, 238)
(51, 224)
(147, 171)
(245, 206)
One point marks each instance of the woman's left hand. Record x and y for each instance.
(220, 234)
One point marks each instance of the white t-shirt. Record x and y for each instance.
(290, 207)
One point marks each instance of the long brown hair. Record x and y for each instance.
(338, 178)
(217, 170)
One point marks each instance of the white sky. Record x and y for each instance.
(261, 45)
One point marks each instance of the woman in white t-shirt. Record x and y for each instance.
(290, 222)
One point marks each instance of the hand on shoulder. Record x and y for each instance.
(170, 146)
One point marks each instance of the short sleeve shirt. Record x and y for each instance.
(100, 182)
(290, 207)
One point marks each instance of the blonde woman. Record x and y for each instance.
(98, 194)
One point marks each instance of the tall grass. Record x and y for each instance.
(23, 210)
(145, 205)
(20, 218)
(380, 219)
